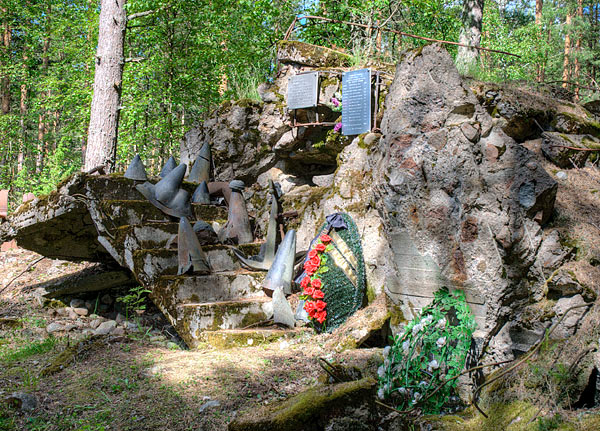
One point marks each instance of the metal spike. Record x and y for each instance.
(201, 167)
(282, 311)
(136, 170)
(201, 195)
(281, 272)
(168, 167)
(237, 228)
(178, 206)
(265, 258)
(166, 188)
(189, 251)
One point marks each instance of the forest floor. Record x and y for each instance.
(148, 380)
(136, 382)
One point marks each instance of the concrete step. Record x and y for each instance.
(229, 338)
(151, 234)
(175, 290)
(150, 264)
(119, 212)
(192, 319)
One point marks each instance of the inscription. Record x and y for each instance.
(303, 90)
(356, 102)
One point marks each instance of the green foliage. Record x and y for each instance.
(549, 424)
(134, 300)
(31, 348)
(190, 55)
(431, 351)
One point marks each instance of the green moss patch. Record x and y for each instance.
(305, 411)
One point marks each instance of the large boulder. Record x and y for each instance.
(443, 198)
(524, 114)
(459, 192)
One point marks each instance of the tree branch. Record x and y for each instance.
(141, 14)
(134, 59)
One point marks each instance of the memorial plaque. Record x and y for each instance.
(356, 102)
(303, 90)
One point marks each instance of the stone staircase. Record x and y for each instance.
(224, 302)
(103, 218)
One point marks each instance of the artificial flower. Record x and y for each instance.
(325, 238)
(319, 247)
(308, 291)
(316, 283)
(321, 316)
(337, 127)
(315, 261)
(441, 342)
(309, 306)
(335, 102)
(318, 294)
(433, 365)
(313, 253)
(320, 305)
(405, 346)
(305, 281)
(386, 351)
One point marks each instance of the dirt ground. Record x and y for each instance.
(135, 382)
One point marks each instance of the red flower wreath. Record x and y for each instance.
(311, 284)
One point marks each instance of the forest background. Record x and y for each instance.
(184, 57)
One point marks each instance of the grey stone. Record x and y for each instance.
(105, 327)
(95, 323)
(54, 327)
(564, 283)
(120, 318)
(554, 148)
(76, 303)
(208, 405)
(561, 175)
(551, 253)
(266, 94)
(323, 180)
(22, 401)
(569, 325)
(71, 314)
(118, 331)
(81, 311)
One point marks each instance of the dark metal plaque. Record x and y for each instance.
(356, 102)
(303, 90)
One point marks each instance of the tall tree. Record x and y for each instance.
(104, 114)
(470, 34)
(566, 75)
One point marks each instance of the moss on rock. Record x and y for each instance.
(309, 410)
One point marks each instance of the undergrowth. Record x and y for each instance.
(420, 365)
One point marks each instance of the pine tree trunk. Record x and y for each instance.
(104, 114)
(566, 66)
(539, 4)
(576, 63)
(470, 34)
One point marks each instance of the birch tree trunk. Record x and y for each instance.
(104, 114)
(470, 34)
